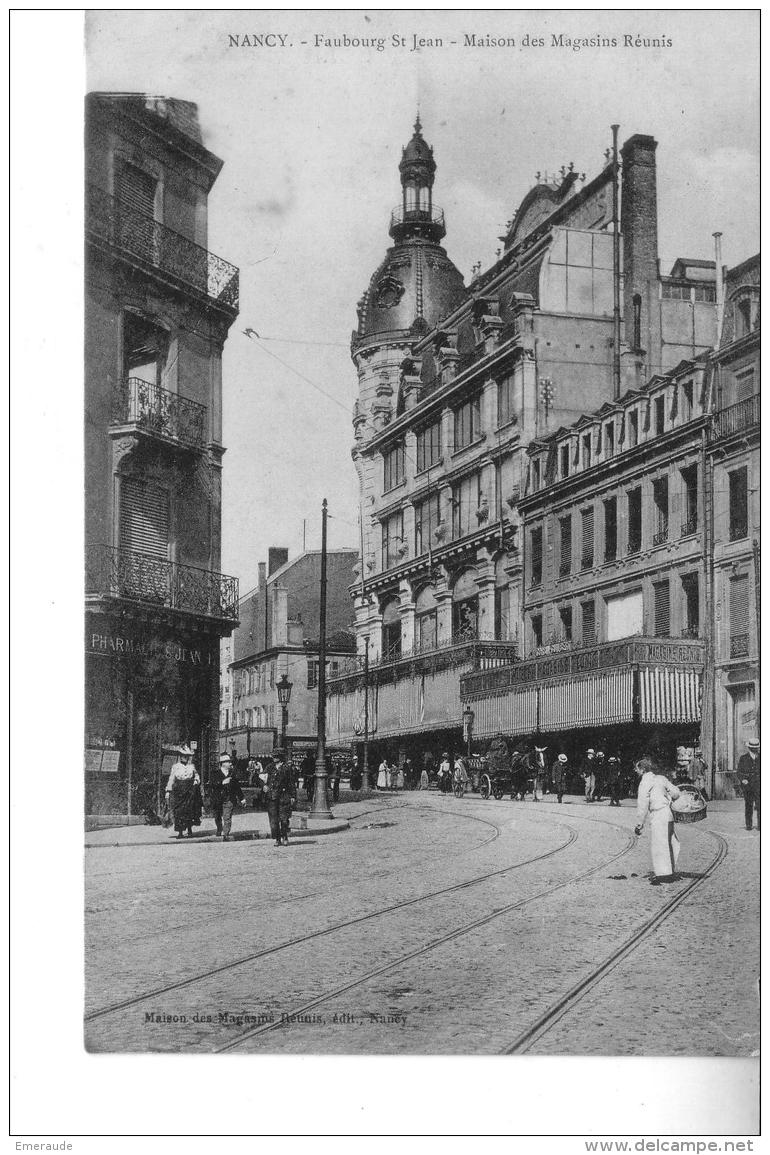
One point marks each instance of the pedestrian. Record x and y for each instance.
(356, 775)
(444, 773)
(232, 796)
(587, 774)
(428, 764)
(400, 778)
(656, 793)
(408, 770)
(254, 770)
(614, 780)
(280, 797)
(600, 773)
(424, 779)
(216, 796)
(336, 773)
(700, 772)
(183, 793)
(682, 769)
(559, 775)
(307, 767)
(750, 780)
(460, 775)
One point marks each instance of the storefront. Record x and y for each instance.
(151, 686)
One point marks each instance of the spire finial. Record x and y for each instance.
(417, 124)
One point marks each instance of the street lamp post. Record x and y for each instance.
(284, 687)
(468, 717)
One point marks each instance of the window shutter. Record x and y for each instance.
(739, 605)
(662, 610)
(589, 622)
(144, 517)
(587, 557)
(136, 189)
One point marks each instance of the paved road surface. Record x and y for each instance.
(433, 926)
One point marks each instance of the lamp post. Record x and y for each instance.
(284, 695)
(468, 717)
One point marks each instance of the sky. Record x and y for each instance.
(311, 136)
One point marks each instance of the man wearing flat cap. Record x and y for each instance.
(280, 791)
(750, 780)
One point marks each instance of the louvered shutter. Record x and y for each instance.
(144, 518)
(136, 189)
(739, 606)
(587, 557)
(565, 561)
(662, 610)
(589, 622)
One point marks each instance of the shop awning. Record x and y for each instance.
(667, 695)
(512, 713)
(603, 699)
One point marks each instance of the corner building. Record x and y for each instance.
(158, 309)
(454, 383)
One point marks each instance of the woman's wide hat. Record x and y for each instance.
(185, 750)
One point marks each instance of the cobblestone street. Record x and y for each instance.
(433, 926)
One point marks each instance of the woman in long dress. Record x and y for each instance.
(382, 775)
(183, 793)
(399, 783)
(656, 793)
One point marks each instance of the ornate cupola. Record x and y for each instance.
(418, 171)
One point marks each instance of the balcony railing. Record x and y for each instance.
(157, 411)
(587, 561)
(691, 632)
(151, 243)
(661, 537)
(690, 526)
(478, 653)
(736, 417)
(401, 217)
(739, 646)
(634, 546)
(565, 567)
(122, 573)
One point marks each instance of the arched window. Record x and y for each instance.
(391, 629)
(465, 607)
(426, 619)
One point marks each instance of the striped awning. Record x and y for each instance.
(668, 695)
(512, 713)
(602, 699)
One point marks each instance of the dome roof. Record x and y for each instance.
(412, 290)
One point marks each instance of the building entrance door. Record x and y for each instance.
(743, 724)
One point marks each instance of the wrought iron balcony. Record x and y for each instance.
(691, 632)
(739, 646)
(153, 410)
(140, 577)
(149, 243)
(661, 537)
(587, 561)
(634, 546)
(690, 526)
(736, 417)
(565, 567)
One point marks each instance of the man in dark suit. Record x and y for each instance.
(750, 780)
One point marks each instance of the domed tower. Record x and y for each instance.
(413, 288)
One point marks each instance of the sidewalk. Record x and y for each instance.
(248, 825)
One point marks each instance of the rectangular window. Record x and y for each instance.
(633, 428)
(634, 520)
(272, 675)
(690, 484)
(393, 462)
(428, 446)
(392, 538)
(468, 422)
(466, 498)
(660, 415)
(271, 716)
(587, 538)
(565, 618)
(587, 451)
(610, 529)
(536, 556)
(427, 515)
(312, 674)
(136, 188)
(744, 385)
(739, 503)
(704, 293)
(687, 400)
(675, 292)
(564, 452)
(662, 608)
(537, 630)
(588, 615)
(505, 402)
(535, 474)
(565, 546)
(691, 594)
(660, 499)
(609, 440)
(144, 517)
(502, 614)
(739, 616)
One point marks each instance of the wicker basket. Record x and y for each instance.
(690, 806)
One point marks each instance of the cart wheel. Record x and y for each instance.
(485, 786)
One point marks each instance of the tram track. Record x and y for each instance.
(233, 964)
(563, 1006)
(439, 941)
